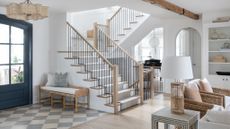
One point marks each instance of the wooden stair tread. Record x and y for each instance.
(84, 72)
(129, 99)
(105, 96)
(70, 58)
(128, 28)
(116, 40)
(74, 51)
(111, 104)
(97, 87)
(133, 22)
(91, 80)
(77, 65)
(121, 34)
(141, 15)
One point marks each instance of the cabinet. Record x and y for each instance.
(216, 53)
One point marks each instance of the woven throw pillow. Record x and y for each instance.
(205, 86)
(57, 79)
(192, 92)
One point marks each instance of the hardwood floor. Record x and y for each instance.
(138, 117)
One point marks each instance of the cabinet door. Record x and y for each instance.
(216, 81)
(226, 81)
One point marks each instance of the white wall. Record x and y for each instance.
(57, 39)
(208, 17)
(58, 42)
(171, 28)
(84, 21)
(40, 51)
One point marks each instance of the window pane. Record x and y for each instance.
(17, 54)
(17, 74)
(4, 75)
(4, 33)
(4, 54)
(17, 35)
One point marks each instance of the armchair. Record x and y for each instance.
(206, 88)
(201, 101)
(209, 101)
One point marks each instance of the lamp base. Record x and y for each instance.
(177, 98)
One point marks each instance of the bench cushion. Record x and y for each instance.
(65, 90)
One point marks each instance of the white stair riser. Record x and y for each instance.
(129, 104)
(121, 86)
(106, 81)
(124, 95)
(96, 66)
(101, 73)
(88, 60)
(98, 103)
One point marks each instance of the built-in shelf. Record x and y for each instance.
(220, 63)
(219, 51)
(218, 40)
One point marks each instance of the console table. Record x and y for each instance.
(188, 120)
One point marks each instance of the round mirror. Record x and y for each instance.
(188, 43)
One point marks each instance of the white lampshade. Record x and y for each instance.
(177, 67)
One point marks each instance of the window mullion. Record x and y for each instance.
(10, 56)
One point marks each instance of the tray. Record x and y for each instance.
(222, 73)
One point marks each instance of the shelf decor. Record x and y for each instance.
(218, 42)
(218, 58)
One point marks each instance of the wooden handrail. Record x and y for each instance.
(120, 48)
(102, 25)
(115, 13)
(100, 55)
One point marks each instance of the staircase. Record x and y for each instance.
(123, 22)
(116, 78)
(119, 26)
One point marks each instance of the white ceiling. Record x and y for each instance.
(202, 6)
(198, 6)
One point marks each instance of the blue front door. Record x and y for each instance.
(15, 63)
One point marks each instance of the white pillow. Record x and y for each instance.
(217, 108)
(218, 116)
(57, 79)
(227, 102)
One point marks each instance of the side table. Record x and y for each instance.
(188, 120)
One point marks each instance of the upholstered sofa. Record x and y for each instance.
(215, 120)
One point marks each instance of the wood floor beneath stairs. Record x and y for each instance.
(138, 117)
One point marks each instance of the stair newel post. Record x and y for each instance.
(141, 82)
(108, 27)
(151, 82)
(95, 35)
(115, 88)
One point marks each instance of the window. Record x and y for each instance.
(12, 55)
(151, 46)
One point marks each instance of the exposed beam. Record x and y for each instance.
(174, 8)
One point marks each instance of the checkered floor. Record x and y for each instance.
(44, 117)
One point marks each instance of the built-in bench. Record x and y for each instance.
(48, 93)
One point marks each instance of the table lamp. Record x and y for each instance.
(178, 68)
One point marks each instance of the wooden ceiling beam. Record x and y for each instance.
(174, 8)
